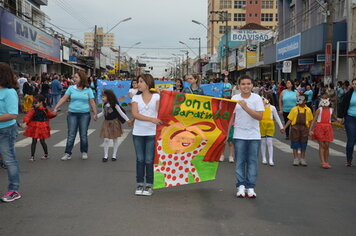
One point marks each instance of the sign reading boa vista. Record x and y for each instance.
(191, 139)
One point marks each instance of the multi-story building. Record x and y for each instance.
(103, 39)
(240, 13)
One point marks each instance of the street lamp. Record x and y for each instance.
(199, 39)
(198, 23)
(187, 47)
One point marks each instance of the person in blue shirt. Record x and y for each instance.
(227, 88)
(309, 93)
(81, 99)
(348, 115)
(287, 100)
(194, 88)
(8, 130)
(56, 90)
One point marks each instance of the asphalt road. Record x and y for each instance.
(93, 198)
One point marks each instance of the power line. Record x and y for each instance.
(71, 13)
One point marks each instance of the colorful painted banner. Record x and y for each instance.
(121, 89)
(191, 139)
(251, 55)
(213, 90)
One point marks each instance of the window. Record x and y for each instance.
(267, 4)
(239, 17)
(236, 27)
(266, 17)
(223, 17)
(225, 4)
(222, 29)
(256, 15)
(239, 4)
(276, 17)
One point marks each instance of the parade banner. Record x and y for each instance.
(213, 90)
(191, 139)
(121, 89)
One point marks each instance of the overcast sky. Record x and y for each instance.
(155, 23)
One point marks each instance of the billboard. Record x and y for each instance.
(288, 48)
(253, 35)
(18, 34)
(251, 55)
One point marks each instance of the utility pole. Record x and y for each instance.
(119, 62)
(95, 49)
(187, 61)
(329, 42)
(223, 15)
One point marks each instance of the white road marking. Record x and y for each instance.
(27, 141)
(76, 141)
(120, 139)
(332, 152)
(339, 142)
(282, 146)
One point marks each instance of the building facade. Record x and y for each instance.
(240, 13)
(103, 39)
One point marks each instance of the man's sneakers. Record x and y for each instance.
(11, 196)
(143, 191)
(84, 156)
(243, 192)
(66, 157)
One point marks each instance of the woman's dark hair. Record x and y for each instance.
(111, 97)
(133, 80)
(347, 83)
(7, 76)
(269, 97)
(40, 98)
(291, 81)
(84, 83)
(181, 82)
(331, 85)
(149, 80)
(242, 77)
(340, 83)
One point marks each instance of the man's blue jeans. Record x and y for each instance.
(77, 121)
(246, 153)
(145, 151)
(350, 125)
(7, 151)
(55, 99)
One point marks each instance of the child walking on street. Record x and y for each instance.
(36, 123)
(267, 129)
(145, 111)
(323, 131)
(299, 117)
(111, 128)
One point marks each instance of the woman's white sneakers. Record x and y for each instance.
(84, 155)
(242, 192)
(66, 157)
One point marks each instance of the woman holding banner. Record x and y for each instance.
(247, 137)
(194, 88)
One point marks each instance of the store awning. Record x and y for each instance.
(73, 65)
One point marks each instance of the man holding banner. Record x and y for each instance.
(247, 137)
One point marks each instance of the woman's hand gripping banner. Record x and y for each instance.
(191, 139)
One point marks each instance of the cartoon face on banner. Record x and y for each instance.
(191, 139)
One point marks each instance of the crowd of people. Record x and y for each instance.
(307, 108)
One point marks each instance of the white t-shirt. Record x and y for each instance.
(145, 128)
(245, 126)
(133, 91)
(21, 82)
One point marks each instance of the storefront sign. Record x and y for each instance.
(253, 35)
(306, 61)
(251, 55)
(241, 58)
(321, 57)
(18, 34)
(287, 67)
(288, 48)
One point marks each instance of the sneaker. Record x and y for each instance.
(139, 190)
(32, 159)
(251, 193)
(231, 159)
(2, 165)
(348, 163)
(240, 191)
(84, 156)
(66, 157)
(105, 159)
(44, 157)
(271, 163)
(222, 158)
(113, 159)
(11, 196)
(148, 191)
(303, 162)
(296, 162)
(264, 162)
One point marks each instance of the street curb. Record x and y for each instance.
(338, 125)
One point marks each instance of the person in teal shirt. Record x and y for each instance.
(309, 93)
(8, 130)
(227, 88)
(81, 98)
(287, 100)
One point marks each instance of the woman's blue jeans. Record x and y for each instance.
(350, 125)
(77, 121)
(246, 154)
(145, 151)
(7, 151)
